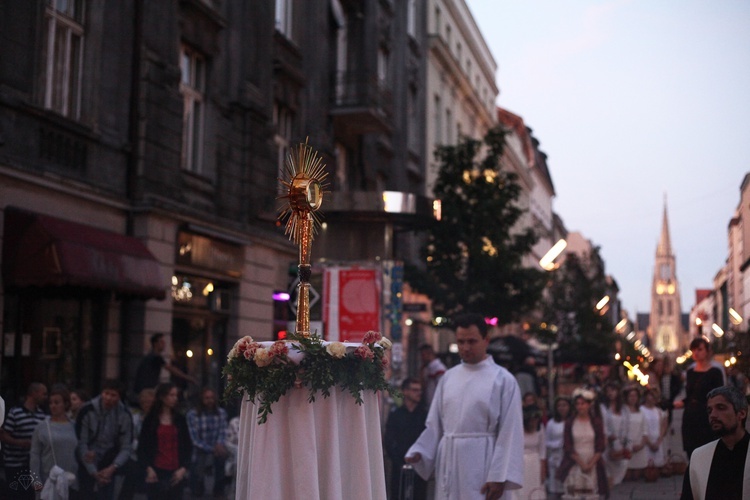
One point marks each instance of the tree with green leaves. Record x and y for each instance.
(473, 254)
(584, 335)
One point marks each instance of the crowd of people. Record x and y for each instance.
(603, 432)
(100, 448)
(455, 431)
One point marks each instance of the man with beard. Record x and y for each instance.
(721, 468)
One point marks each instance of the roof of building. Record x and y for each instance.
(702, 294)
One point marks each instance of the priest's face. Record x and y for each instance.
(722, 417)
(472, 347)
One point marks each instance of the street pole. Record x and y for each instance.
(550, 382)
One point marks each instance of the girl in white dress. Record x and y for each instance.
(635, 424)
(615, 459)
(582, 469)
(554, 439)
(534, 454)
(656, 427)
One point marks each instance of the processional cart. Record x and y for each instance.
(310, 418)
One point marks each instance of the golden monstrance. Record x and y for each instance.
(305, 188)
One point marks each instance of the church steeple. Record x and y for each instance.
(665, 325)
(664, 249)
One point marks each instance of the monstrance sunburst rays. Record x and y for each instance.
(305, 190)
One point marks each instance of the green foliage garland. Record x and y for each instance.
(266, 374)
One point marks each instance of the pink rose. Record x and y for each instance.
(371, 337)
(279, 349)
(249, 350)
(364, 352)
(385, 361)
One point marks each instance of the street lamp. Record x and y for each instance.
(547, 262)
(734, 316)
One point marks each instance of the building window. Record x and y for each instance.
(282, 121)
(342, 167)
(192, 88)
(64, 56)
(411, 105)
(383, 57)
(448, 126)
(438, 20)
(411, 18)
(284, 17)
(458, 52)
(438, 122)
(448, 35)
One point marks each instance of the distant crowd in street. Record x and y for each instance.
(59, 444)
(606, 430)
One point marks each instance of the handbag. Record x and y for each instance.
(580, 486)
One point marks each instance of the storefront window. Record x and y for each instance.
(52, 340)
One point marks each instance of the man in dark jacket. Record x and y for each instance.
(404, 426)
(104, 428)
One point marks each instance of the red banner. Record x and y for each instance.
(352, 303)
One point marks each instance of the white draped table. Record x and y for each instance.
(327, 450)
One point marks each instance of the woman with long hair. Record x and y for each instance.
(54, 442)
(635, 425)
(701, 377)
(534, 452)
(616, 456)
(164, 446)
(554, 440)
(582, 468)
(78, 398)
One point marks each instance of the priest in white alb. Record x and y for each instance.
(473, 440)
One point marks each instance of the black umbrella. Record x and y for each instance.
(509, 351)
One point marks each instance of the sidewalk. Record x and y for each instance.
(664, 488)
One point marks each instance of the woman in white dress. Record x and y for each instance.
(534, 454)
(615, 458)
(635, 424)
(656, 427)
(582, 468)
(553, 437)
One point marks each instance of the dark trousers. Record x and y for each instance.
(202, 462)
(135, 480)
(89, 488)
(163, 489)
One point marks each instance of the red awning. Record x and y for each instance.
(44, 251)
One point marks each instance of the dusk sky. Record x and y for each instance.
(632, 101)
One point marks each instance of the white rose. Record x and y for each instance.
(385, 343)
(262, 357)
(336, 349)
(232, 354)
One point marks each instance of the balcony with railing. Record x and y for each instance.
(361, 104)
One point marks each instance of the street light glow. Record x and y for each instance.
(548, 261)
(621, 325)
(603, 302)
(735, 316)
(717, 330)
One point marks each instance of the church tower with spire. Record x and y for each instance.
(665, 329)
